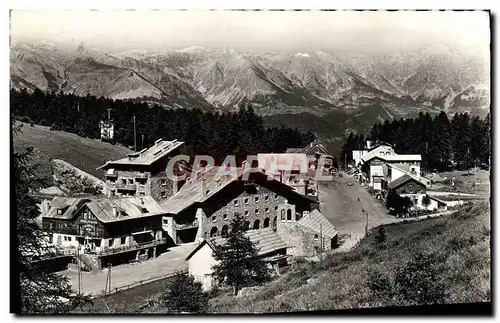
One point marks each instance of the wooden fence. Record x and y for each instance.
(139, 283)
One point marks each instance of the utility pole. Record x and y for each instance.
(468, 152)
(321, 237)
(142, 142)
(135, 143)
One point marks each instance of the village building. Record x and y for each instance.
(317, 151)
(107, 230)
(205, 206)
(295, 170)
(374, 163)
(271, 248)
(143, 173)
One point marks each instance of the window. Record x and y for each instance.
(67, 238)
(266, 198)
(163, 182)
(246, 213)
(267, 210)
(266, 222)
(123, 240)
(213, 232)
(163, 194)
(403, 191)
(235, 202)
(131, 181)
(214, 218)
(246, 200)
(110, 242)
(165, 221)
(142, 194)
(256, 199)
(289, 215)
(225, 230)
(224, 217)
(124, 181)
(256, 224)
(283, 217)
(276, 196)
(256, 211)
(276, 208)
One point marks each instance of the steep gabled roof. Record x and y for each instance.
(265, 240)
(191, 193)
(68, 205)
(403, 179)
(375, 153)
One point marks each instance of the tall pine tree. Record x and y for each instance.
(238, 262)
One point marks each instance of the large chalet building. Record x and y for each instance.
(143, 173)
(104, 227)
(204, 207)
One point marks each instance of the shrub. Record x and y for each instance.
(381, 236)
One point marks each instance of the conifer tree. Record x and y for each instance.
(185, 295)
(40, 291)
(238, 262)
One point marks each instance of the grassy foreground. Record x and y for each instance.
(460, 244)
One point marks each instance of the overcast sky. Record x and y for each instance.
(247, 31)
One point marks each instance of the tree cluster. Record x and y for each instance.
(461, 142)
(398, 204)
(40, 291)
(215, 134)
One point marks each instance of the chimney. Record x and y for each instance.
(368, 144)
(157, 142)
(311, 144)
(203, 187)
(115, 211)
(142, 200)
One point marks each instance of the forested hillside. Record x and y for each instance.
(209, 133)
(463, 142)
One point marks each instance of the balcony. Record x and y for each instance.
(186, 226)
(141, 176)
(128, 187)
(134, 246)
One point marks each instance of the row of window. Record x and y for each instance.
(247, 213)
(255, 198)
(256, 225)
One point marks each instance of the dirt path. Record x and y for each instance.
(340, 205)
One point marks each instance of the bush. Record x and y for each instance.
(415, 283)
(185, 295)
(381, 236)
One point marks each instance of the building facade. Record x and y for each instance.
(106, 226)
(205, 207)
(144, 173)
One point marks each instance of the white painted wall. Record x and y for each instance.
(377, 186)
(67, 241)
(376, 170)
(396, 173)
(356, 156)
(200, 266)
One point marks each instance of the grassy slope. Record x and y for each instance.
(86, 154)
(342, 278)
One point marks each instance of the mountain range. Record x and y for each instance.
(335, 89)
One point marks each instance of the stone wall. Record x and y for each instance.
(267, 209)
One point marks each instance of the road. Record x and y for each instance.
(339, 204)
(168, 262)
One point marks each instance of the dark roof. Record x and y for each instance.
(146, 156)
(403, 179)
(191, 193)
(318, 223)
(265, 240)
